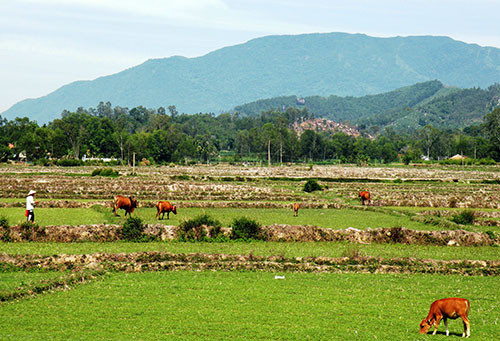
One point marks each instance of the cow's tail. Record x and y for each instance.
(467, 304)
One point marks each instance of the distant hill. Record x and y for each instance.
(349, 108)
(447, 109)
(405, 108)
(304, 65)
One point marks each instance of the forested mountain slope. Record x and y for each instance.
(405, 108)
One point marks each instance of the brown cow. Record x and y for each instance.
(165, 206)
(295, 208)
(444, 309)
(127, 204)
(365, 196)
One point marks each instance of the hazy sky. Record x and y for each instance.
(45, 44)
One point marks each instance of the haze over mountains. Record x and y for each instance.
(303, 65)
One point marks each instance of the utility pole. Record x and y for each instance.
(133, 163)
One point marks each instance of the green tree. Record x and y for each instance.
(492, 127)
(269, 133)
(429, 136)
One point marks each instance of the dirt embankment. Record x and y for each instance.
(164, 261)
(285, 233)
(399, 235)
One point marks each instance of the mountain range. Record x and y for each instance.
(304, 65)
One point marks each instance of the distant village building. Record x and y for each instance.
(300, 101)
(458, 157)
(103, 159)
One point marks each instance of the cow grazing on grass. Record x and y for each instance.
(127, 204)
(165, 206)
(295, 208)
(447, 308)
(365, 197)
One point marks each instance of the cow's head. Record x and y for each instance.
(174, 209)
(425, 326)
(133, 203)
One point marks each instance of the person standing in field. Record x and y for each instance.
(30, 206)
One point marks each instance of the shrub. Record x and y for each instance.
(105, 172)
(195, 229)
(352, 253)
(69, 162)
(44, 162)
(133, 230)
(4, 224)
(491, 234)
(487, 161)
(311, 185)
(245, 228)
(31, 231)
(464, 218)
(406, 158)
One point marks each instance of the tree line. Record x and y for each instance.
(164, 136)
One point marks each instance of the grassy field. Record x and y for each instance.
(331, 218)
(11, 280)
(261, 248)
(247, 305)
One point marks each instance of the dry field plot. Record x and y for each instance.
(397, 186)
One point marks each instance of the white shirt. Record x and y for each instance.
(30, 202)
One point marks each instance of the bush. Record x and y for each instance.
(31, 231)
(311, 185)
(44, 162)
(105, 172)
(491, 234)
(464, 218)
(487, 161)
(69, 162)
(133, 230)
(406, 158)
(245, 228)
(196, 229)
(352, 252)
(4, 224)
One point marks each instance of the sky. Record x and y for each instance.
(45, 44)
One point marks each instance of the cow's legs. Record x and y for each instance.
(466, 327)
(436, 324)
(446, 325)
(168, 215)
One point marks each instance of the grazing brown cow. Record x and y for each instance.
(127, 204)
(365, 196)
(295, 208)
(447, 308)
(165, 206)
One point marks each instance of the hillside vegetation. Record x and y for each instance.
(303, 65)
(412, 107)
